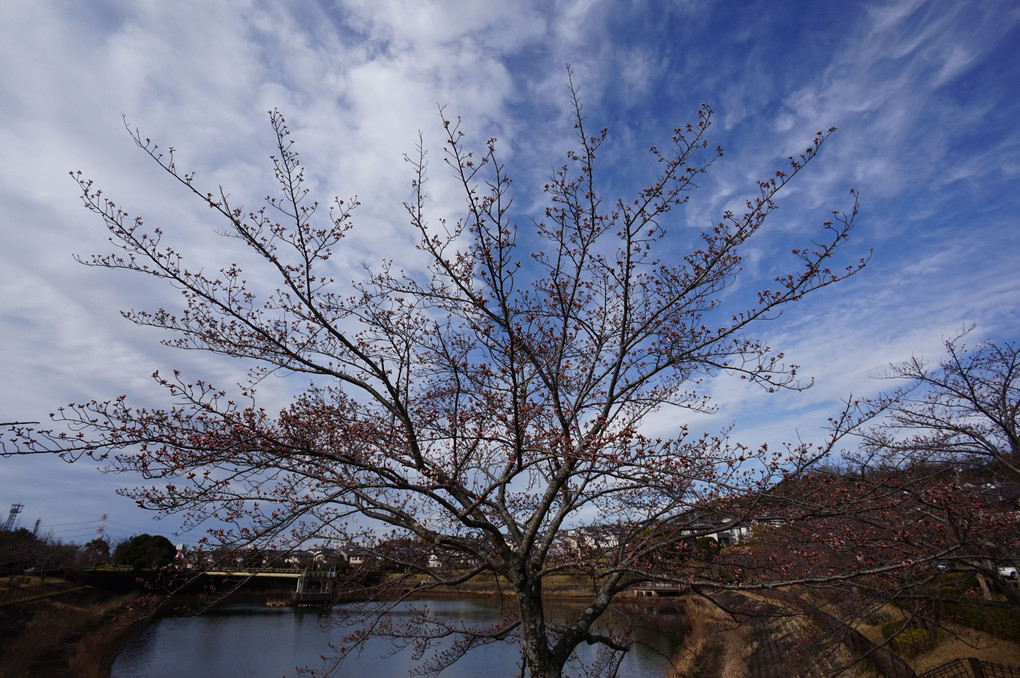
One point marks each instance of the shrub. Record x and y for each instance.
(908, 641)
(999, 622)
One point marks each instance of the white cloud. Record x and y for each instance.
(358, 79)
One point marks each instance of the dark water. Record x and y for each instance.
(254, 641)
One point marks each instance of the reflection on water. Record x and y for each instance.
(255, 641)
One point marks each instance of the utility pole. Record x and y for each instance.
(12, 516)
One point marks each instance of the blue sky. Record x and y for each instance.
(924, 94)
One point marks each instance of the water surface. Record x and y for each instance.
(255, 641)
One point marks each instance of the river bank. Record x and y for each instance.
(54, 627)
(78, 627)
(77, 632)
(766, 634)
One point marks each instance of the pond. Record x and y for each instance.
(255, 641)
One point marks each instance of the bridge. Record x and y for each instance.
(314, 587)
(286, 573)
(659, 588)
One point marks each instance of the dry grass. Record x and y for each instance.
(712, 638)
(739, 647)
(696, 639)
(46, 630)
(77, 635)
(955, 642)
(958, 642)
(115, 623)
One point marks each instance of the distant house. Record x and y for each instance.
(325, 557)
(354, 555)
(1004, 494)
(592, 537)
(725, 532)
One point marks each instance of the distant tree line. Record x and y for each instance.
(22, 551)
(144, 551)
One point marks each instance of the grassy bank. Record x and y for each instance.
(75, 633)
(952, 641)
(714, 644)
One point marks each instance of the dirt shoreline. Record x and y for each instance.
(119, 637)
(78, 633)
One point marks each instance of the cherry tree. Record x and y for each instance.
(960, 419)
(925, 501)
(965, 410)
(488, 405)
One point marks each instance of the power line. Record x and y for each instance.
(83, 522)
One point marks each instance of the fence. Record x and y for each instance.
(884, 662)
(972, 667)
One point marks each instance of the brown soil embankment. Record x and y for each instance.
(75, 632)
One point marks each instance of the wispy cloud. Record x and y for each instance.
(921, 91)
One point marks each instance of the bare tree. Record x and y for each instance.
(957, 420)
(484, 407)
(965, 410)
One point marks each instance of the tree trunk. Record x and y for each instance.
(537, 655)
